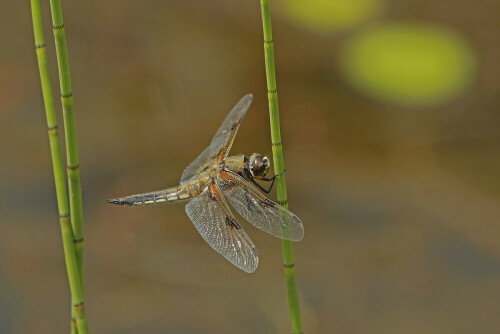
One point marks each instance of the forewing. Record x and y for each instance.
(213, 220)
(263, 213)
(223, 139)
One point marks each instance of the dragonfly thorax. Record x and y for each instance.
(259, 165)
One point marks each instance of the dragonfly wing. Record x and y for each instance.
(263, 213)
(213, 219)
(193, 167)
(223, 139)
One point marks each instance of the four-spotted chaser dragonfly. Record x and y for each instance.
(213, 180)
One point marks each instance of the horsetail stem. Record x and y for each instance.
(78, 321)
(279, 166)
(75, 195)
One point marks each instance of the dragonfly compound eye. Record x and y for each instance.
(260, 165)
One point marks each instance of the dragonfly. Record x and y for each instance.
(215, 179)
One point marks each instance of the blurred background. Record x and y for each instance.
(391, 131)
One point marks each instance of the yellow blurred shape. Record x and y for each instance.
(330, 15)
(408, 63)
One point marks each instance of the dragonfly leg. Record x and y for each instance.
(249, 176)
(271, 179)
(267, 191)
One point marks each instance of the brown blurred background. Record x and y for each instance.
(399, 198)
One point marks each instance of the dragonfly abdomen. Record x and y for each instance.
(167, 195)
(143, 199)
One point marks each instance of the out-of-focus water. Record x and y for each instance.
(400, 204)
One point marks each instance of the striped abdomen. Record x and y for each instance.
(185, 191)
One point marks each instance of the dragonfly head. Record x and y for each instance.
(259, 165)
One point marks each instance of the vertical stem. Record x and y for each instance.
(279, 166)
(60, 183)
(75, 193)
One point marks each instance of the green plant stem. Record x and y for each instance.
(78, 311)
(75, 193)
(279, 166)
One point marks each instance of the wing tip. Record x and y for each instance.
(293, 233)
(300, 237)
(252, 269)
(248, 97)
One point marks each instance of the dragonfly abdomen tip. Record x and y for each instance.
(115, 201)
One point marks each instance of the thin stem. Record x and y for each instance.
(279, 166)
(60, 183)
(75, 192)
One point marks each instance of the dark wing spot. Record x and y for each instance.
(235, 124)
(210, 195)
(268, 203)
(232, 223)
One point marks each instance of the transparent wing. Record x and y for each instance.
(223, 139)
(193, 167)
(263, 213)
(213, 220)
